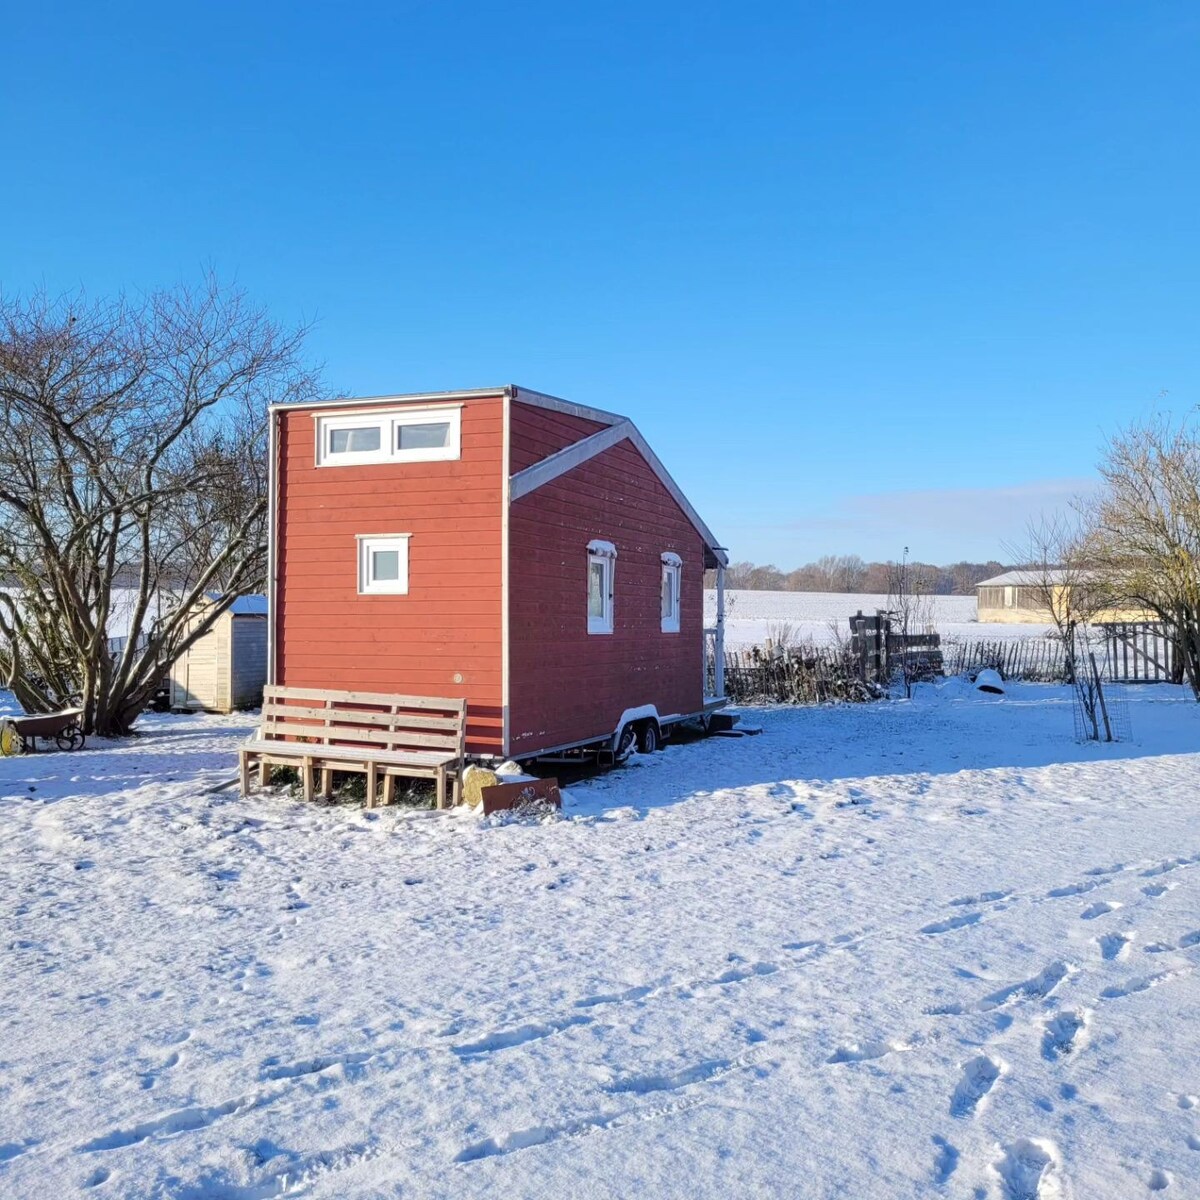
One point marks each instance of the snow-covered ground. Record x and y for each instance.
(750, 616)
(899, 950)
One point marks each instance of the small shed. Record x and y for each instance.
(226, 668)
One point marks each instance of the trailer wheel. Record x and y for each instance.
(625, 742)
(648, 737)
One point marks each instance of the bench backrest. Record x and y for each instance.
(362, 719)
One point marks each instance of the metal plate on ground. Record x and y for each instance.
(517, 795)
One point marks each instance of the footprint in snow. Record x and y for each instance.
(1029, 1170)
(1114, 945)
(952, 923)
(1140, 983)
(979, 1076)
(1099, 909)
(946, 1162)
(854, 1052)
(1041, 985)
(1065, 1032)
(1159, 1180)
(1154, 890)
(982, 898)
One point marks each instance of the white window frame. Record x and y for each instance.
(368, 544)
(603, 554)
(390, 421)
(672, 576)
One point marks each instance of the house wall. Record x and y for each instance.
(567, 685)
(441, 639)
(247, 661)
(539, 432)
(1016, 604)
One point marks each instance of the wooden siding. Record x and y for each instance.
(247, 661)
(538, 433)
(449, 623)
(567, 685)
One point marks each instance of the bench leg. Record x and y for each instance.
(264, 773)
(326, 783)
(308, 772)
(372, 781)
(389, 789)
(441, 787)
(244, 773)
(456, 796)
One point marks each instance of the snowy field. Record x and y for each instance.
(902, 950)
(750, 615)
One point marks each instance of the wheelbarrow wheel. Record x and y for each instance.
(71, 738)
(11, 742)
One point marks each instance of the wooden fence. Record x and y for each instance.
(1034, 659)
(1141, 652)
(858, 670)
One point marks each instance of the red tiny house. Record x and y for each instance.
(439, 545)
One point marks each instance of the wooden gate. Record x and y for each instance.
(1141, 652)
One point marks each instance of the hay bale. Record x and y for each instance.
(475, 779)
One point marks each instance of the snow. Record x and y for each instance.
(750, 615)
(907, 949)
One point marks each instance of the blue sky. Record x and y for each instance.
(866, 275)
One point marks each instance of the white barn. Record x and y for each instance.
(227, 667)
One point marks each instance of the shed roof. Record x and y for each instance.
(1026, 578)
(245, 606)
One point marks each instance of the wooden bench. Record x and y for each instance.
(382, 736)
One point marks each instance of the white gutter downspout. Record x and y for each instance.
(272, 488)
(719, 648)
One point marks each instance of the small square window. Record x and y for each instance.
(383, 564)
(672, 570)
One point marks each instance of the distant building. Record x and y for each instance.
(1019, 598)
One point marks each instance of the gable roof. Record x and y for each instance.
(523, 482)
(618, 430)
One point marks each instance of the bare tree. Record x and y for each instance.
(1145, 529)
(133, 473)
(1058, 577)
(911, 612)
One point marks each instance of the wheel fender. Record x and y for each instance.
(630, 715)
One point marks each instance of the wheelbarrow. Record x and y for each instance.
(64, 728)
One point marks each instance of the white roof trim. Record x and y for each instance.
(559, 463)
(567, 459)
(554, 404)
(665, 478)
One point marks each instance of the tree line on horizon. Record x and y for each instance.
(849, 573)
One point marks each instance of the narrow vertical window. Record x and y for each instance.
(601, 569)
(672, 571)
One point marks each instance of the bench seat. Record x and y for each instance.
(379, 735)
(415, 758)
